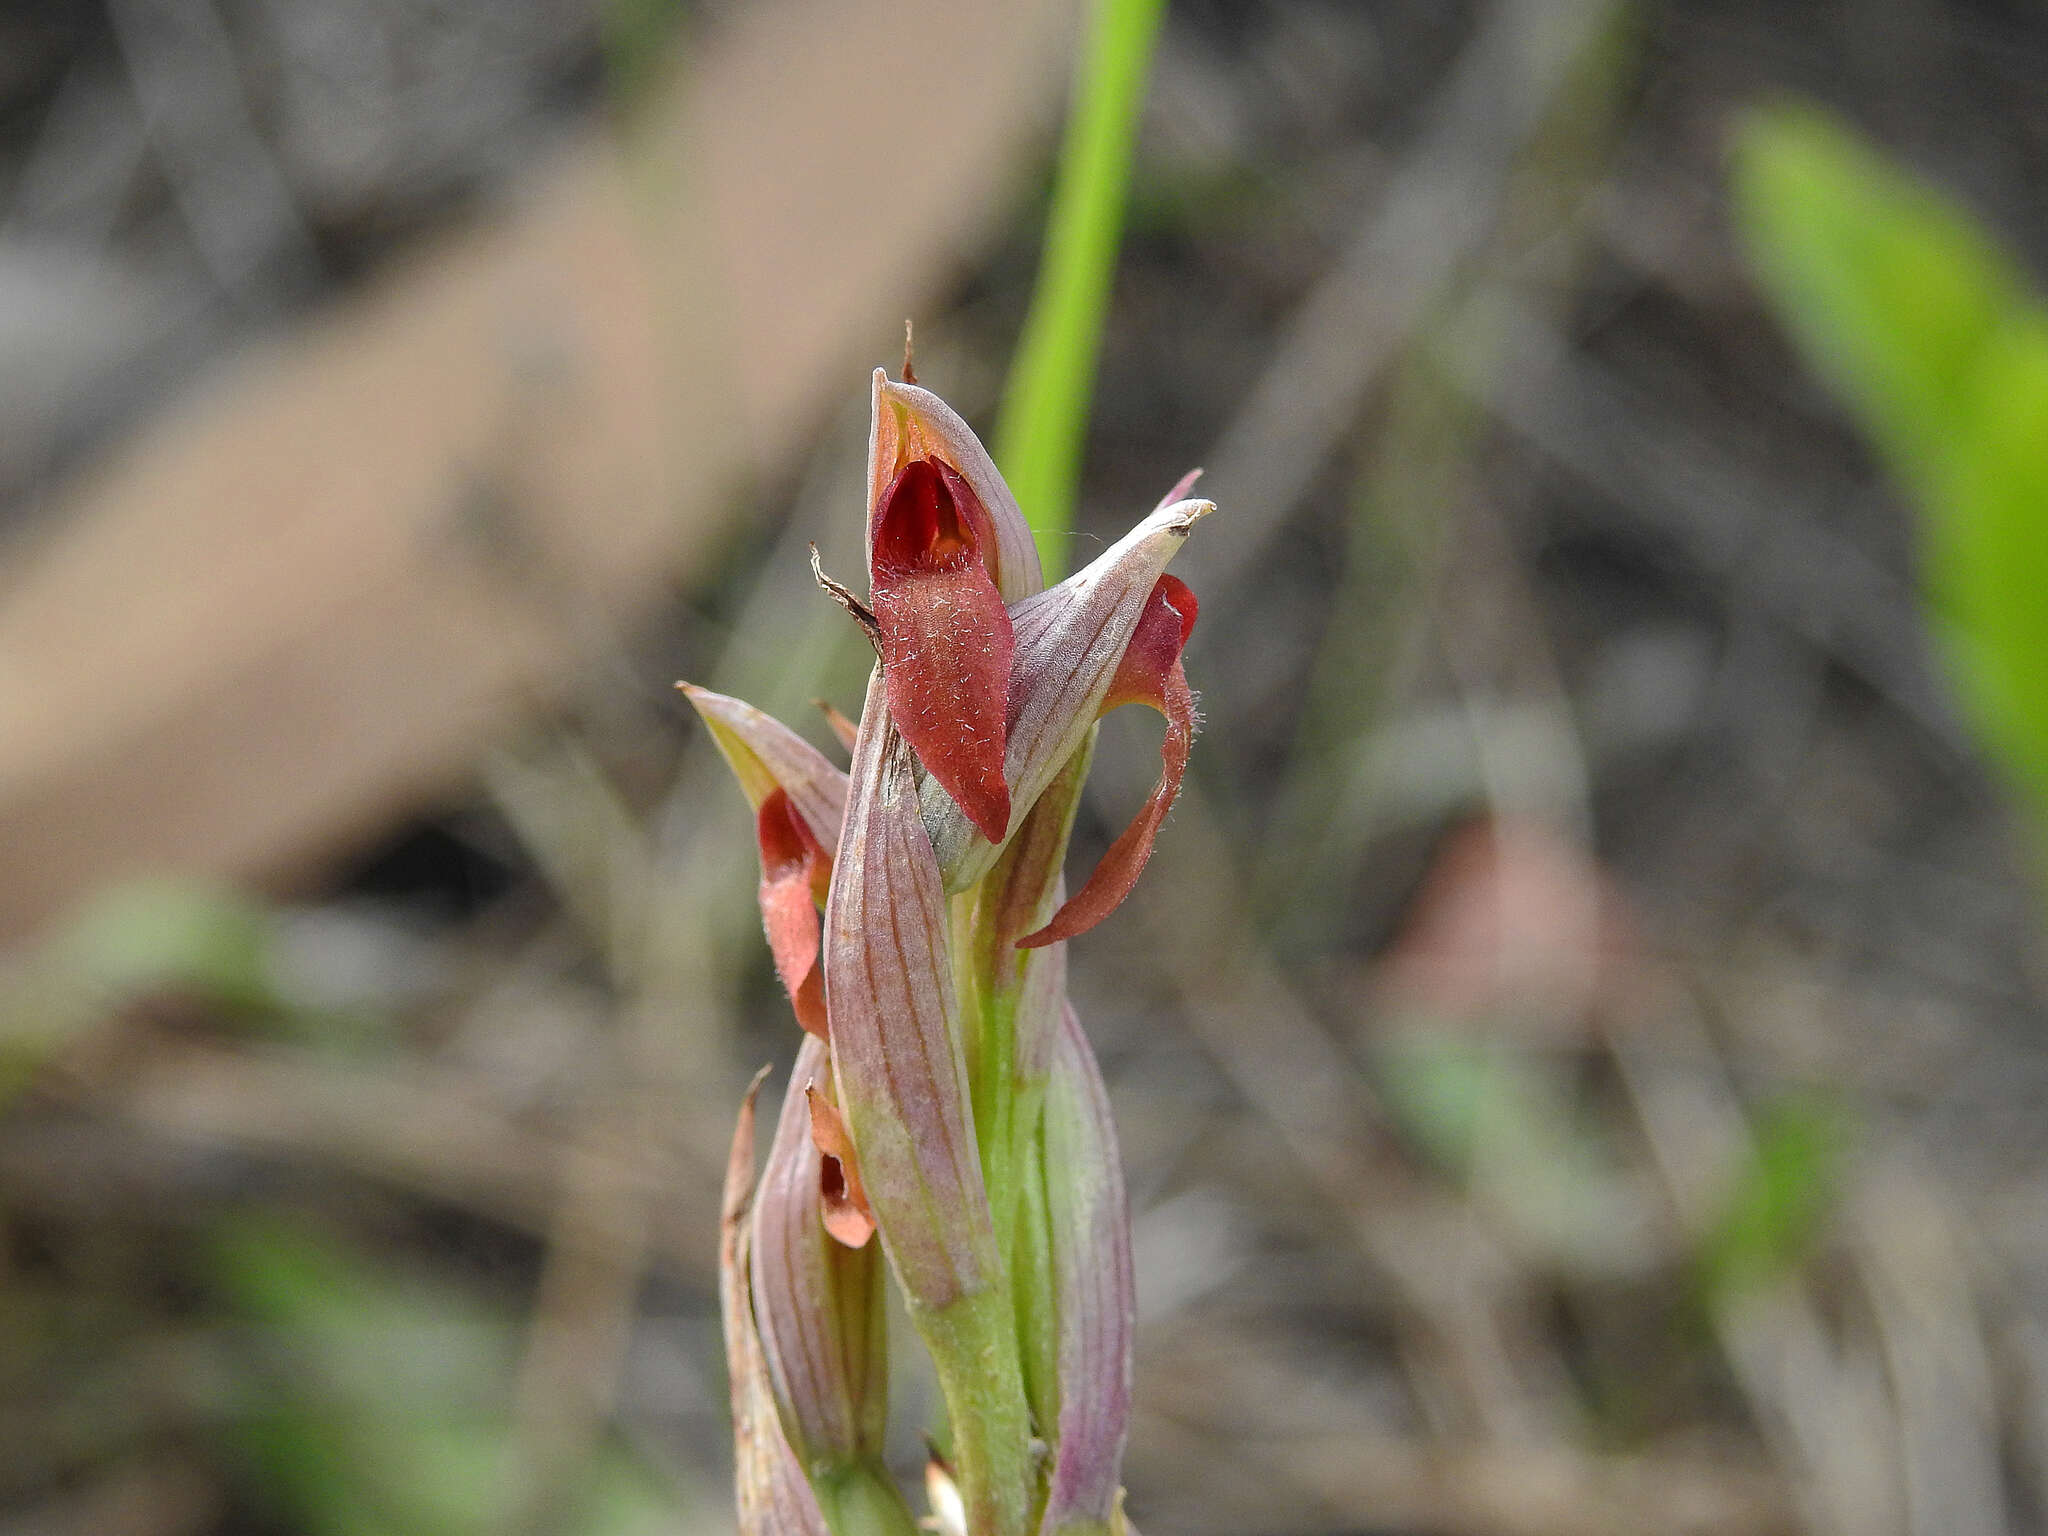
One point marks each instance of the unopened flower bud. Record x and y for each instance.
(818, 1302)
(773, 1495)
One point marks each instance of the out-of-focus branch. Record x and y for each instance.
(300, 605)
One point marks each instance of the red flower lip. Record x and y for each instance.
(799, 801)
(796, 873)
(945, 635)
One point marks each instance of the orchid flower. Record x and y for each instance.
(945, 1117)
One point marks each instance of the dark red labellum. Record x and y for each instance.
(947, 644)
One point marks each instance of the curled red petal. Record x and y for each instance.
(947, 644)
(1150, 673)
(1070, 640)
(795, 873)
(842, 1200)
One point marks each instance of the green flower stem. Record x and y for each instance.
(1006, 1074)
(996, 1111)
(1052, 379)
(1037, 1290)
(861, 1499)
(973, 1345)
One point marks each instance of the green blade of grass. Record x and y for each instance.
(1052, 379)
(1936, 340)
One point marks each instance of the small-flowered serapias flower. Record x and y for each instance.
(945, 1113)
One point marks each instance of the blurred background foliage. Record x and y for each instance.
(1579, 1048)
(1936, 338)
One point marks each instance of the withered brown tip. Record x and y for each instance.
(841, 594)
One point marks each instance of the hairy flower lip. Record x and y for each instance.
(1070, 641)
(928, 514)
(945, 635)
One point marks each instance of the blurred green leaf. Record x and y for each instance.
(1439, 1090)
(625, 1500)
(1780, 1201)
(1504, 1122)
(346, 1475)
(132, 940)
(638, 38)
(155, 935)
(244, 961)
(360, 1334)
(1933, 336)
(373, 1404)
